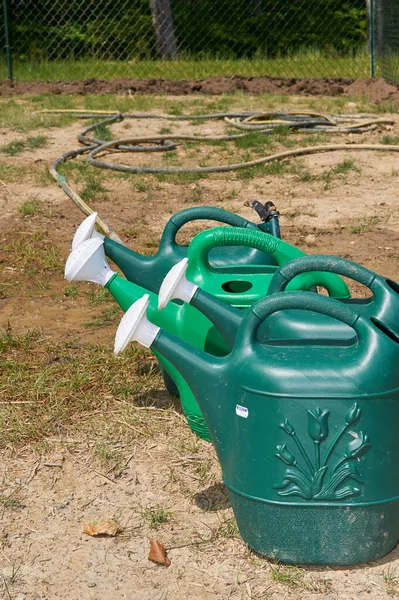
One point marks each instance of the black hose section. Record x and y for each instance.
(262, 123)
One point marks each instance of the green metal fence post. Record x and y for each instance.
(372, 40)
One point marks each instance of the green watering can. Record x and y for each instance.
(149, 271)
(306, 437)
(303, 326)
(87, 262)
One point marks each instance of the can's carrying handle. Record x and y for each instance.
(282, 252)
(322, 262)
(261, 310)
(208, 213)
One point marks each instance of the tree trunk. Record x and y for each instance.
(163, 26)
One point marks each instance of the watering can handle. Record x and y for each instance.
(202, 244)
(208, 213)
(330, 264)
(262, 309)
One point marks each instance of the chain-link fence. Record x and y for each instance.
(192, 39)
(386, 37)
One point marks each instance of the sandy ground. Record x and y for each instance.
(43, 552)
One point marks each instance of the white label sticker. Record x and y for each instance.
(242, 411)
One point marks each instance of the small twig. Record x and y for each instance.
(34, 471)
(24, 402)
(6, 588)
(129, 459)
(3, 183)
(180, 417)
(188, 475)
(135, 429)
(86, 504)
(94, 470)
(188, 544)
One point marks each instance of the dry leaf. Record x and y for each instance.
(157, 553)
(102, 528)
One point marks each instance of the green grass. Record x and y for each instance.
(34, 253)
(49, 386)
(390, 140)
(18, 146)
(155, 516)
(29, 208)
(109, 316)
(93, 188)
(364, 225)
(339, 171)
(102, 131)
(295, 577)
(391, 581)
(307, 63)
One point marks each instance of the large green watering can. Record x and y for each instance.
(87, 262)
(306, 437)
(303, 326)
(149, 271)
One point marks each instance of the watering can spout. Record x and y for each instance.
(86, 231)
(133, 265)
(87, 262)
(193, 364)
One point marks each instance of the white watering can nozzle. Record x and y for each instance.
(86, 231)
(135, 327)
(88, 263)
(175, 285)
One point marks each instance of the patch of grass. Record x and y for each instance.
(93, 188)
(10, 173)
(305, 63)
(228, 529)
(272, 168)
(339, 171)
(294, 577)
(66, 386)
(17, 146)
(72, 291)
(364, 225)
(108, 316)
(98, 296)
(13, 148)
(255, 141)
(302, 173)
(143, 184)
(34, 253)
(171, 158)
(42, 284)
(288, 575)
(391, 580)
(165, 130)
(390, 140)
(155, 516)
(180, 178)
(10, 502)
(29, 208)
(36, 142)
(103, 132)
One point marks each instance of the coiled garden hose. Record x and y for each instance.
(300, 121)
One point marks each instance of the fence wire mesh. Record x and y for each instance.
(387, 38)
(191, 39)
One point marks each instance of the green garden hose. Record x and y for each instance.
(300, 121)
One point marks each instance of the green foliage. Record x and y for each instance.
(233, 29)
